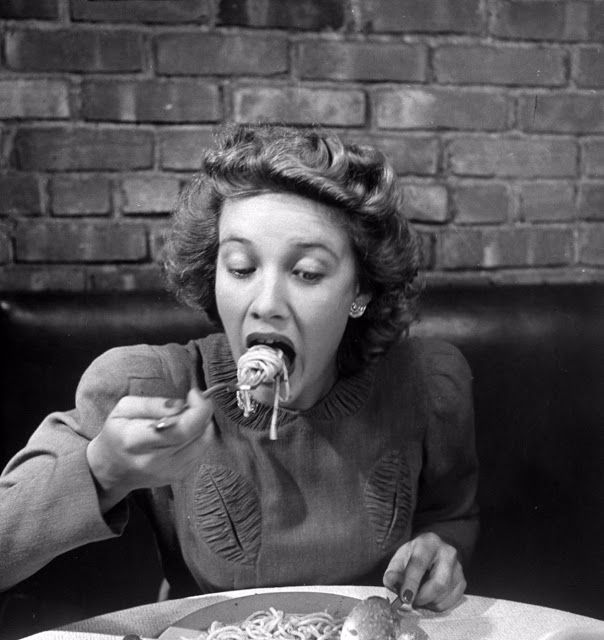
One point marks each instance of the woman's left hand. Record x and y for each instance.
(426, 572)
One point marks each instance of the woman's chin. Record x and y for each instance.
(265, 394)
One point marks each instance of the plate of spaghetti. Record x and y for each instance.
(287, 615)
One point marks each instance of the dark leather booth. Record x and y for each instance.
(537, 355)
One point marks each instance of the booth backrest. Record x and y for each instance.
(537, 356)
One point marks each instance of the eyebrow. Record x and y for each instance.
(302, 244)
(234, 239)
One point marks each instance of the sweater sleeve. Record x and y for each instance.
(447, 487)
(48, 499)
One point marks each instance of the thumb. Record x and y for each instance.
(197, 415)
(195, 398)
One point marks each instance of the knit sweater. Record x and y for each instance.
(386, 454)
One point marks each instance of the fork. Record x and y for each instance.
(169, 421)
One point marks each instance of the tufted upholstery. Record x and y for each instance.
(537, 354)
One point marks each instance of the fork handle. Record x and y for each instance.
(171, 420)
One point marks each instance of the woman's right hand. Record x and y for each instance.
(129, 453)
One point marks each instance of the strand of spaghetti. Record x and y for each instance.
(273, 428)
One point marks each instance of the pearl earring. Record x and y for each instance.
(357, 309)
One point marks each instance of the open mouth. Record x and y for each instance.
(276, 342)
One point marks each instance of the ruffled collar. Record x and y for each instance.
(345, 398)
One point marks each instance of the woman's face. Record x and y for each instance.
(286, 272)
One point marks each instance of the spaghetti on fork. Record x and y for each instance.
(258, 365)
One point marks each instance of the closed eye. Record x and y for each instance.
(241, 273)
(309, 276)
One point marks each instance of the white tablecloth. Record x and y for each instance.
(475, 618)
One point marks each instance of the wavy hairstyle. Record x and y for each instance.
(355, 180)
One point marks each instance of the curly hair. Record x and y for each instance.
(355, 180)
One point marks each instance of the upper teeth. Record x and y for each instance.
(267, 341)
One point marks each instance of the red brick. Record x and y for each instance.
(41, 9)
(73, 50)
(414, 108)
(288, 14)
(563, 112)
(149, 194)
(505, 248)
(577, 20)
(80, 196)
(425, 202)
(596, 21)
(180, 149)
(460, 248)
(480, 203)
(151, 101)
(591, 241)
(591, 201)
(42, 278)
(371, 61)
(502, 65)
(147, 277)
(80, 242)
(547, 201)
(545, 246)
(155, 11)
(34, 99)
(589, 70)
(19, 195)
(220, 54)
(447, 16)
(81, 148)
(157, 241)
(416, 155)
(528, 20)
(335, 107)
(593, 157)
(540, 20)
(513, 157)
(496, 248)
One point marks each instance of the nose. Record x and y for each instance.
(270, 298)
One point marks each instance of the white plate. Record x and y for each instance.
(237, 609)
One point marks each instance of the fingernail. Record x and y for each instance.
(172, 402)
(407, 596)
(164, 423)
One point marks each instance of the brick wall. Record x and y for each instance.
(491, 110)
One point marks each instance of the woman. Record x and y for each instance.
(289, 238)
